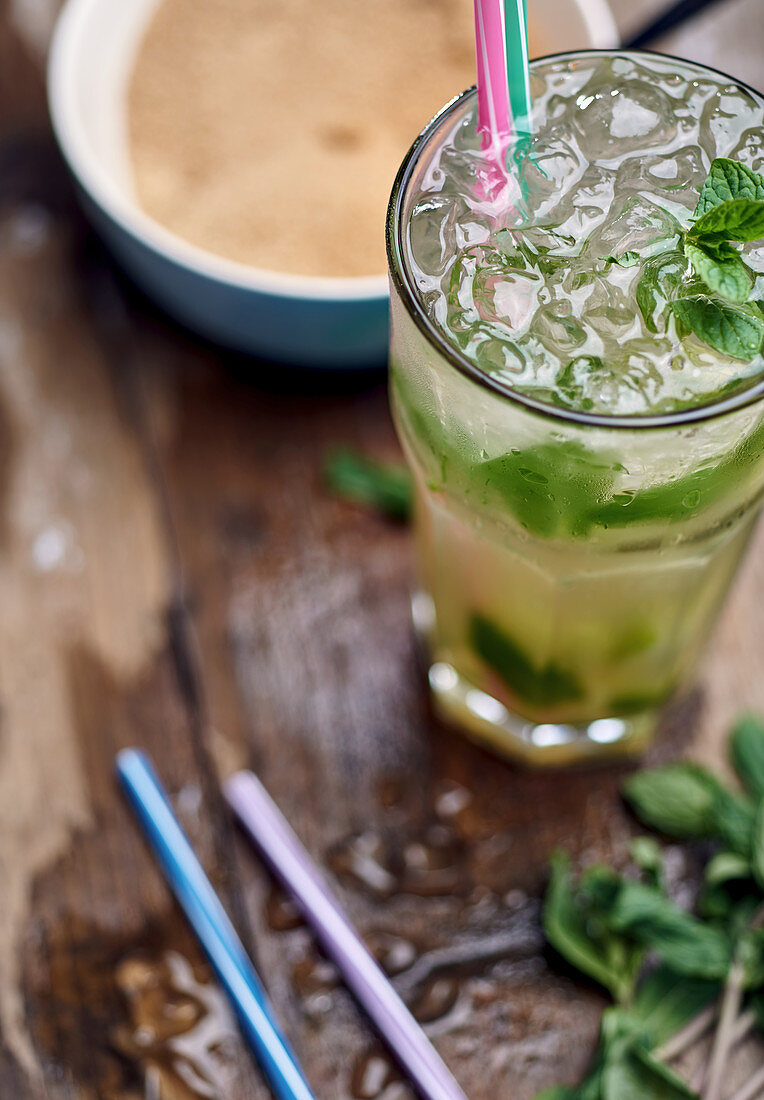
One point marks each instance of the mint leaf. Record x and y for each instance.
(542, 686)
(642, 912)
(727, 867)
(558, 1092)
(590, 1089)
(721, 269)
(626, 259)
(578, 939)
(747, 753)
(647, 298)
(736, 220)
(758, 845)
(750, 952)
(659, 277)
(665, 1001)
(735, 818)
(636, 1075)
(737, 331)
(384, 486)
(648, 856)
(728, 179)
(676, 799)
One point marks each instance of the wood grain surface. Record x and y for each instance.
(173, 575)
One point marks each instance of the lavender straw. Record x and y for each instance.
(286, 855)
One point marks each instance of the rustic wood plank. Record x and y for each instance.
(173, 574)
(91, 661)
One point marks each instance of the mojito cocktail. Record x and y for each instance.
(580, 410)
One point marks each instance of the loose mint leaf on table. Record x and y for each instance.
(665, 1001)
(735, 816)
(584, 944)
(758, 845)
(750, 952)
(385, 486)
(703, 956)
(747, 753)
(648, 856)
(649, 917)
(686, 802)
(559, 1092)
(727, 867)
(728, 179)
(735, 220)
(676, 799)
(721, 269)
(737, 331)
(637, 1075)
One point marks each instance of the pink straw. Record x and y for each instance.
(494, 112)
(283, 850)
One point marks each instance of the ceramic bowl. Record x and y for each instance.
(336, 323)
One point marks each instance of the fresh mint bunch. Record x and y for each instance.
(661, 964)
(715, 305)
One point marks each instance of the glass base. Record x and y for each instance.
(487, 720)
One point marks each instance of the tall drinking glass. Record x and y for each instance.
(571, 563)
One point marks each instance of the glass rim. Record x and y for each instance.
(403, 282)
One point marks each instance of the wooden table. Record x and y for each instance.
(173, 575)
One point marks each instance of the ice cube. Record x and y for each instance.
(613, 121)
(639, 222)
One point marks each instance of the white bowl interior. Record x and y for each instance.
(109, 36)
(91, 60)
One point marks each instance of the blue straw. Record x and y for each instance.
(209, 921)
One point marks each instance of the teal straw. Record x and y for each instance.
(518, 76)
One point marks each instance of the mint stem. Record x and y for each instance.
(688, 1035)
(745, 1024)
(752, 1088)
(729, 1018)
(730, 1010)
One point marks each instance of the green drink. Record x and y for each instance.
(581, 412)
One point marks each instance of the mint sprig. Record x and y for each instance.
(662, 964)
(730, 209)
(716, 303)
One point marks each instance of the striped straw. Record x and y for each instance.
(518, 74)
(501, 41)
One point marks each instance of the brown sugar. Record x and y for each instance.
(270, 131)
